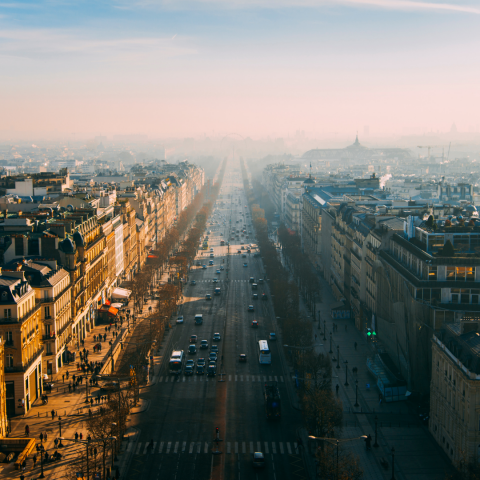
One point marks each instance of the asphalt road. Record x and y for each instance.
(177, 431)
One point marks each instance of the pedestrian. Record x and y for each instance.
(89, 413)
(81, 435)
(22, 477)
(337, 388)
(105, 337)
(53, 413)
(73, 387)
(355, 345)
(41, 437)
(76, 437)
(55, 442)
(69, 388)
(74, 376)
(63, 378)
(91, 402)
(68, 373)
(106, 329)
(34, 458)
(45, 436)
(27, 430)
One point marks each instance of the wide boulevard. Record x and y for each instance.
(177, 431)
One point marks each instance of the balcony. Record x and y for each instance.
(50, 336)
(27, 365)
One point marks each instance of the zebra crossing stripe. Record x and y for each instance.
(259, 447)
(275, 377)
(241, 378)
(269, 378)
(264, 378)
(192, 444)
(138, 448)
(281, 379)
(184, 446)
(228, 447)
(154, 447)
(229, 378)
(280, 444)
(251, 447)
(169, 446)
(244, 447)
(129, 447)
(266, 447)
(236, 447)
(161, 379)
(161, 447)
(206, 447)
(183, 379)
(274, 448)
(176, 447)
(199, 447)
(288, 448)
(247, 377)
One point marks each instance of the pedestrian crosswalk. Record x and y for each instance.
(220, 281)
(226, 377)
(190, 448)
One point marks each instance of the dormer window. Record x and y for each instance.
(4, 295)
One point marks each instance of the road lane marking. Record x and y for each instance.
(154, 446)
(274, 448)
(266, 447)
(138, 448)
(264, 378)
(199, 447)
(184, 446)
(176, 447)
(228, 447)
(275, 377)
(244, 447)
(259, 447)
(269, 378)
(183, 379)
(195, 378)
(192, 444)
(129, 447)
(247, 377)
(229, 378)
(251, 447)
(206, 447)
(236, 447)
(241, 378)
(161, 379)
(288, 448)
(161, 447)
(169, 446)
(281, 379)
(280, 444)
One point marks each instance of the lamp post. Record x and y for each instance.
(393, 463)
(356, 393)
(41, 449)
(338, 356)
(346, 373)
(376, 424)
(325, 331)
(330, 351)
(112, 439)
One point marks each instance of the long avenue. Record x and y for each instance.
(177, 431)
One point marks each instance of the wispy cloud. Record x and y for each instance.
(403, 5)
(41, 44)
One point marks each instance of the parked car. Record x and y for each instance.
(180, 319)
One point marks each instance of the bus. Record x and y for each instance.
(205, 245)
(264, 355)
(176, 362)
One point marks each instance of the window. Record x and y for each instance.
(470, 274)
(7, 312)
(450, 273)
(460, 274)
(47, 312)
(9, 360)
(9, 338)
(432, 273)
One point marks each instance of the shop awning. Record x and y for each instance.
(121, 293)
(107, 309)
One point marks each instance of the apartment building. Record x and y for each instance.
(3, 392)
(20, 328)
(455, 389)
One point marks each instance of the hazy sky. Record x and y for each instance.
(255, 67)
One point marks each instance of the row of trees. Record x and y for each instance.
(322, 411)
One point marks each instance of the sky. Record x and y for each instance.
(258, 68)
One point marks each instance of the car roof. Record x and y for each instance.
(258, 455)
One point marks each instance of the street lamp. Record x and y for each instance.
(60, 445)
(376, 424)
(338, 356)
(325, 330)
(336, 442)
(41, 449)
(346, 373)
(330, 351)
(356, 393)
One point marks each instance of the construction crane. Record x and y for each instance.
(429, 147)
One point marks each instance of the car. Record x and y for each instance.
(250, 308)
(218, 271)
(192, 349)
(215, 280)
(243, 248)
(254, 286)
(216, 337)
(264, 296)
(212, 357)
(239, 251)
(190, 363)
(210, 262)
(260, 280)
(222, 267)
(221, 234)
(193, 339)
(255, 324)
(212, 255)
(204, 344)
(189, 370)
(211, 370)
(244, 255)
(245, 264)
(243, 358)
(200, 369)
(248, 250)
(180, 319)
(204, 267)
(208, 296)
(193, 282)
(251, 280)
(255, 296)
(200, 362)
(273, 337)
(214, 348)
(258, 460)
(211, 249)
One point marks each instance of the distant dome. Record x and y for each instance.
(67, 246)
(78, 239)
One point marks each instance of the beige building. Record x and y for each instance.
(455, 390)
(20, 328)
(3, 392)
